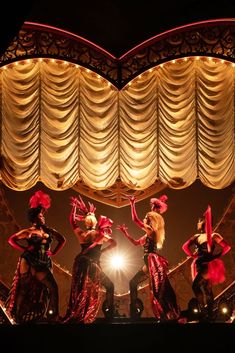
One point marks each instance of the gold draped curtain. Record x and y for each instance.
(61, 124)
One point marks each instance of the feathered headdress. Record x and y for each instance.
(40, 198)
(83, 211)
(208, 227)
(159, 204)
(104, 227)
(105, 224)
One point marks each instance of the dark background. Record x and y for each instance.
(119, 25)
(116, 25)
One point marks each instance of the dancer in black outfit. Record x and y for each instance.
(207, 267)
(34, 292)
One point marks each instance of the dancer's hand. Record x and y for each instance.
(123, 228)
(131, 198)
(73, 201)
(49, 253)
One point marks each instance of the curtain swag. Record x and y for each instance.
(61, 124)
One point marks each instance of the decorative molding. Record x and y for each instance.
(207, 38)
(116, 195)
(40, 41)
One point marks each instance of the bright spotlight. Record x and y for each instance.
(120, 264)
(224, 310)
(117, 262)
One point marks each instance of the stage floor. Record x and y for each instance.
(119, 337)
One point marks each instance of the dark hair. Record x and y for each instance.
(33, 213)
(203, 223)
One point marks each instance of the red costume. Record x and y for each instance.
(87, 275)
(163, 298)
(207, 267)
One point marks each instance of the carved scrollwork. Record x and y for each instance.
(208, 38)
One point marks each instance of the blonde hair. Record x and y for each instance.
(90, 220)
(158, 225)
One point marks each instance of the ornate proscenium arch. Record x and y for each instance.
(213, 38)
(73, 115)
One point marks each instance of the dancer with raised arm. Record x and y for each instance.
(163, 298)
(87, 275)
(34, 293)
(207, 267)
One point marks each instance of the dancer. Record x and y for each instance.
(87, 275)
(163, 298)
(207, 268)
(34, 293)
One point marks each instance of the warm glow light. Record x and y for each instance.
(224, 310)
(120, 264)
(117, 261)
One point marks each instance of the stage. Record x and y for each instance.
(119, 337)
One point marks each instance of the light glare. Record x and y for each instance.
(117, 261)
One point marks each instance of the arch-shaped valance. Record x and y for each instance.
(214, 38)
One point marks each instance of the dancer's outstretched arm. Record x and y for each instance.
(73, 213)
(140, 241)
(134, 215)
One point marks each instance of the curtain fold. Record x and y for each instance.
(62, 124)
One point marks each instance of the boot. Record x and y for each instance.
(136, 309)
(203, 316)
(108, 311)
